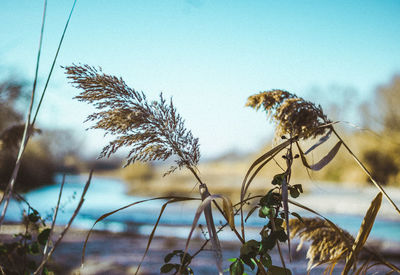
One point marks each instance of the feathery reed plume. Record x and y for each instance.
(326, 244)
(153, 130)
(293, 115)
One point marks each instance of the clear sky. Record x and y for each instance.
(209, 55)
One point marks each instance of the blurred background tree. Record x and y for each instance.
(46, 151)
(37, 167)
(379, 149)
(383, 115)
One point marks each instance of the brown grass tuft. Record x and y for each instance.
(293, 115)
(326, 244)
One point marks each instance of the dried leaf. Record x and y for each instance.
(155, 227)
(324, 161)
(363, 233)
(320, 141)
(205, 207)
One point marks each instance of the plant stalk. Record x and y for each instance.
(378, 185)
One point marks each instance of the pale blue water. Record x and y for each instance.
(105, 195)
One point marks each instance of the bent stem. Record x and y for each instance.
(377, 184)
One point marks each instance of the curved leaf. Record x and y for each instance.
(363, 233)
(320, 141)
(205, 207)
(119, 209)
(324, 161)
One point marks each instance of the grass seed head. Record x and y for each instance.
(293, 115)
(326, 244)
(151, 130)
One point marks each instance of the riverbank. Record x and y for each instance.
(120, 253)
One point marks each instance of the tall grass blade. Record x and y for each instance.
(363, 233)
(155, 227)
(29, 125)
(25, 137)
(262, 161)
(66, 228)
(54, 217)
(205, 207)
(212, 232)
(270, 153)
(53, 64)
(120, 209)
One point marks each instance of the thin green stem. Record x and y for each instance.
(27, 130)
(53, 64)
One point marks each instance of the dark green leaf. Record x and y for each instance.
(278, 222)
(34, 248)
(266, 211)
(250, 248)
(294, 193)
(167, 268)
(168, 257)
(266, 260)
(271, 199)
(278, 179)
(43, 236)
(251, 212)
(298, 187)
(236, 268)
(277, 270)
(281, 235)
(248, 261)
(298, 216)
(186, 260)
(33, 217)
(269, 242)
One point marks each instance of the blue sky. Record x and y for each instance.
(209, 55)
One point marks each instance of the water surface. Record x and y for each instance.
(105, 195)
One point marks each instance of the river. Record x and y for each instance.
(105, 195)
